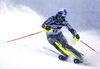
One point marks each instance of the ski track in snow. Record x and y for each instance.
(27, 53)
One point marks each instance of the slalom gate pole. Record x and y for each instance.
(89, 47)
(25, 36)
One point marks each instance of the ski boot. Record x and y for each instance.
(77, 61)
(61, 57)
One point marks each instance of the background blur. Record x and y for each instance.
(82, 14)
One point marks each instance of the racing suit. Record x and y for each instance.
(57, 36)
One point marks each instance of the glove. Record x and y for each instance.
(76, 37)
(48, 29)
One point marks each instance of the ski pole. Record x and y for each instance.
(26, 36)
(89, 47)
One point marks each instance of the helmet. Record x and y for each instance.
(62, 12)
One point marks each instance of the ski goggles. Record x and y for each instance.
(60, 17)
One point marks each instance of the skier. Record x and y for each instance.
(55, 37)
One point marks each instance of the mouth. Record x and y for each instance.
(60, 20)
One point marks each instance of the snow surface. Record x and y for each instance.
(28, 53)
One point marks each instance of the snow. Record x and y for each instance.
(28, 53)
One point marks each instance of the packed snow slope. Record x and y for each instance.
(28, 53)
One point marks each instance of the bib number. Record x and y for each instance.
(55, 30)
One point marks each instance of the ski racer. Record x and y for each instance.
(55, 37)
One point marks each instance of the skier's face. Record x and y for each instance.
(60, 18)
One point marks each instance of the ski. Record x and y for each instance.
(61, 57)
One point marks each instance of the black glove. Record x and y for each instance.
(48, 28)
(77, 36)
